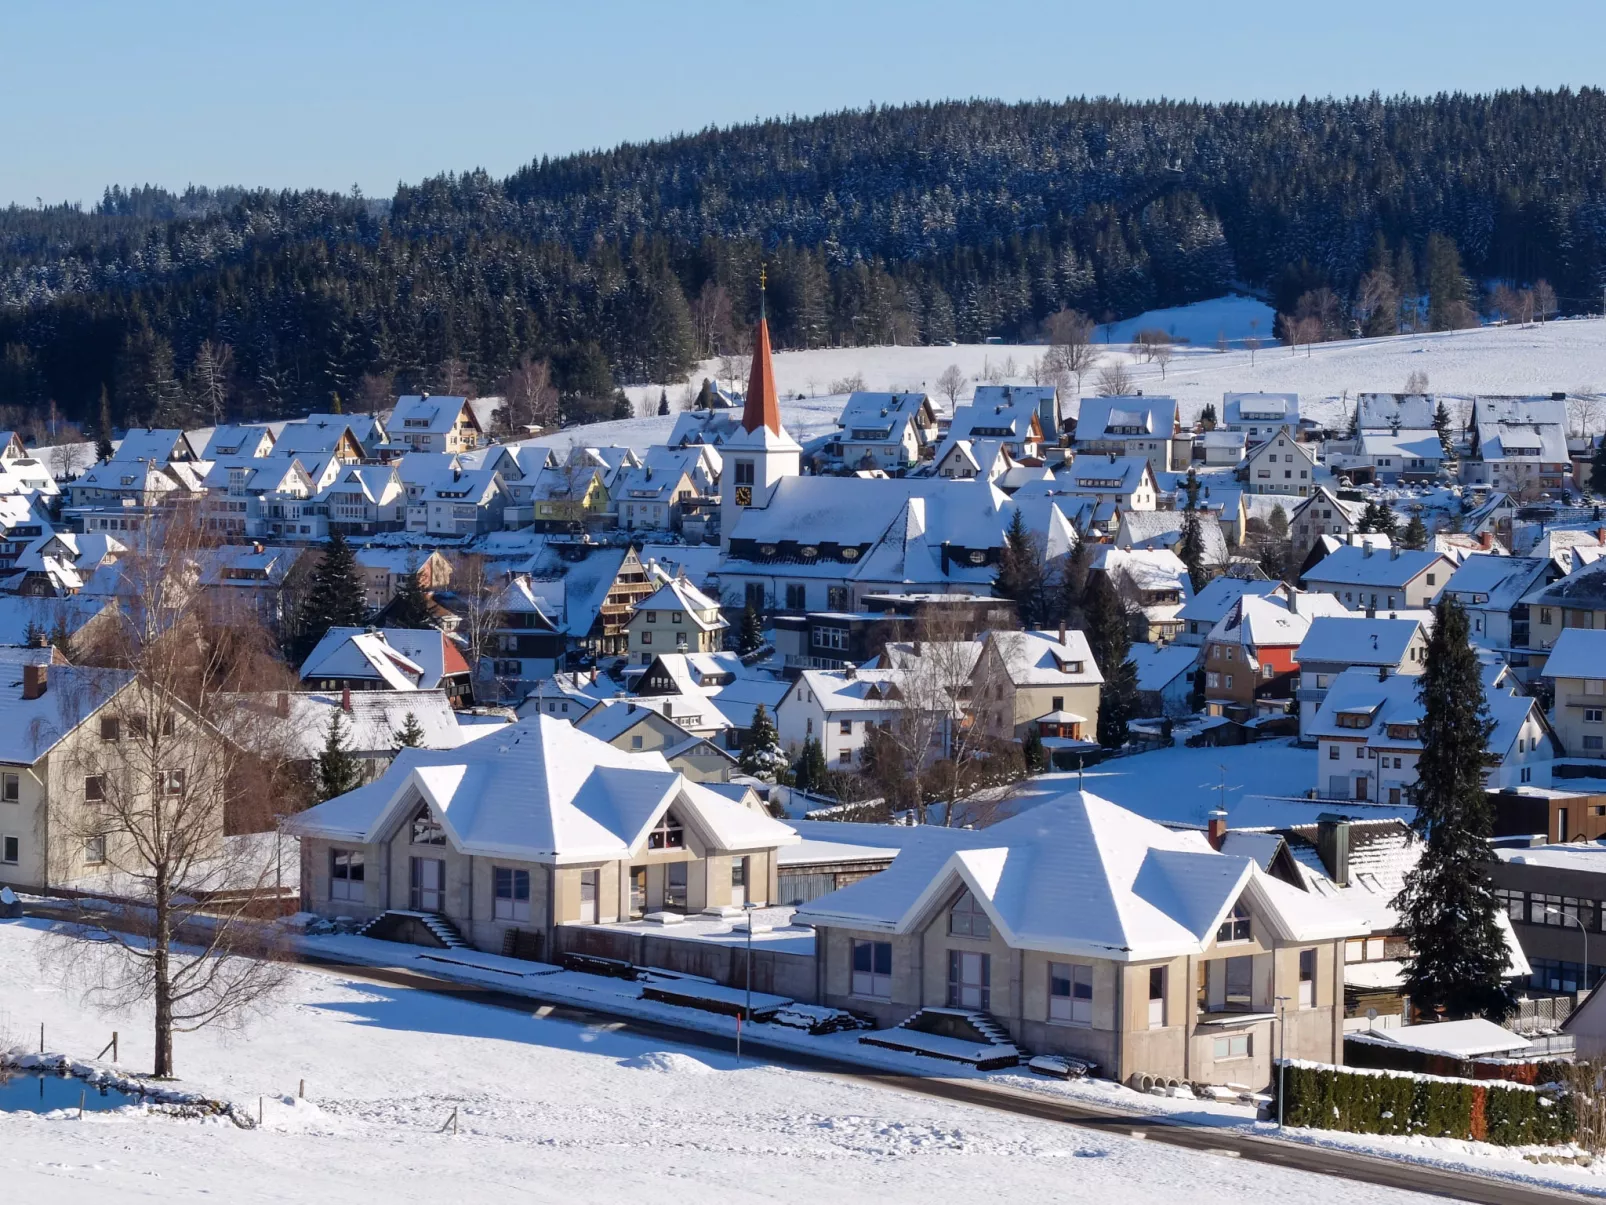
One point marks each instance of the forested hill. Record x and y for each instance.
(955, 220)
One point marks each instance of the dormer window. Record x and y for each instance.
(1235, 927)
(668, 834)
(966, 918)
(1354, 719)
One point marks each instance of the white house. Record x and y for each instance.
(425, 423)
(676, 618)
(1259, 416)
(1404, 455)
(886, 430)
(1134, 426)
(1281, 465)
(1336, 643)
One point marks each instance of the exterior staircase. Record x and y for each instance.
(957, 1034)
(416, 928)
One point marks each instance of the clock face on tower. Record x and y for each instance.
(744, 495)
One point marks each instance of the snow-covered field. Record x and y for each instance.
(547, 1110)
(1568, 355)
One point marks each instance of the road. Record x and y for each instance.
(1348, 1165)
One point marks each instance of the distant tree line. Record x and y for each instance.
(923, 223)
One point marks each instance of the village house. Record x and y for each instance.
(457, 502)
(262, 580)
(1393, 457)
(638, 727)
(1324, 513)
(383, 570)
(677, 617)
(1249, 656)
(405, 659)
(233, 441)
(422, 423)
(364, 500)
(1577, 600)
(1201, 613)
(1154, 585)
(503, 842)
(319, 436)
(1218, 448)
(1166, 677)
(965, 460)
(1519, 445)
(841, 710)
(892, 431)
(1281, 465)
(1576, 673)
(1368, 735)
(1335, 643)
(1555, 898)
(1083, 929)
(1135, 427)
(1259, 416)
(1368, 578)
(1007, 413)
(527, 644)
(1041, 679)
(1492, 589)
(654, 496)
(1151, 529)
(1394, 411)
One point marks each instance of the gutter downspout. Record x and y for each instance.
(1120, 1021)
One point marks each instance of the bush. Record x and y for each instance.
(1391, 1102)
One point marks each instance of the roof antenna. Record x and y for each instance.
(1079, 761)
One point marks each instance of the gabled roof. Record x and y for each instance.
(159, 444)
(31, 728)
(1353, 639)
(1219, 595)
(1497, 582)
(1582, 589)
(1041, 659)
(1115, 418)
(1404, 443)
(1160, 665)
(372, 722)
(435, 414)
(1163, 529)
(1246, 408)
(1257, 621)
(232, 439)
(1078, 875)
(677, 595)
(1103, 474)
(1577, 653)
(402, 658)
(1384, 411)
(1390, 567)
(541, 790)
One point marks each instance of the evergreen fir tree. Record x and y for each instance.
(103, 435)
(1208, 420)
(622, 408)
(1071, 588)
(1447, 285)
(1441, 424)
(1447, 907)
(410, 609)
(411, 734)
(809, 772)
(1597, 467)
(750, 637)
(61, 636)
(337, 769)
(663, 401)
(1415, 536)
(1020, 576)
(1355, 422)
(1191, 550)
(33, 636)
(761, 751)
(334, 596)
(1111, 644)
(1032, 752)
(1278, 522)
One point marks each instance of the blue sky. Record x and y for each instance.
(340, 92)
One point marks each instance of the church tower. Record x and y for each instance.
(761, 453)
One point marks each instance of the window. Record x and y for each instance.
(1156, 997)
(588, 896)
(845, 727)
(10, 787)
(668, 834)
(94, 788)
(675, 886)
(95, 849)
(966, 918)
(1592, 742)
(10, 850)
(638, 890)
(1594, 686)
(1240, 974)
(744, 472)
(795, 596)
(137, 727)
(346, 874)
(969, 980)
(836, 598)
(1231, 1046)
(1235, 927)
(172, 782)
(1070, 993)
(652, 616)
(111, 729)
(646, 638)
(1307, 978)
(1057, 703)
(426, 830)
(872, 970)
(845, 757)
(1332, 753)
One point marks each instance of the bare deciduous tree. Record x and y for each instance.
(158, 783)
(375, 392)
(1070, 334)
(1161, 354)
(211, 377)
(530, 399)
(1544, 300)
(711, 318)
(1114, 380)
(950, 383)
(454, 377)
(734, 370)
(1416, 382)
(477, 590)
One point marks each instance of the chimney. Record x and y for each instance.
(256, 547)
(1485, 540)
(1217, 831)
(1394, 552)
(34, 678)
(849, 670)
(1062, 631)
(345, 699)
(1366, 548)
(1332, 844)
(282, 706)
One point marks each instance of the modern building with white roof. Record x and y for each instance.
(537, 826)
(1084, 929)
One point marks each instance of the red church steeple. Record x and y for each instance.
(763, 406)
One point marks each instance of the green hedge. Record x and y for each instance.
(1391, 1102)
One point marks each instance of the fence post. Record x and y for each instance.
(41, 1037)
(114, 1045)
(301, 1092)
(83, 1094)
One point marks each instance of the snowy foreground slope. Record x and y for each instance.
(1568, 355)
(548, 1110)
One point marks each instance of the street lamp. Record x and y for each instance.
(1583, 979)
(748, 907)
(1282, 1047)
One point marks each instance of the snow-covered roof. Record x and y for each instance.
(1353, 639)
(1406, 443)
(1219, 595)
(1163, 529)
(1361, 566)
(1220, 437)
(372, 723)
(1112, 418)
(1042, 659)
(432, 413)
(1159, 665)
(1455, 1039)
(1392, 701)
(401, 658)
(1384, 411)
(677, 595)
(1583, 589)
(1103, 474)
(1079, 875)
(1577, 653)
(866, 690)
(30, 728)
(542, 790)
(1246, 408)
(1260, 621)
(1539, 442)
(1496, 582)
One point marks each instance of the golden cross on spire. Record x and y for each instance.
(763, 276)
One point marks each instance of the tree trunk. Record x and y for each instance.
(163, 984)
